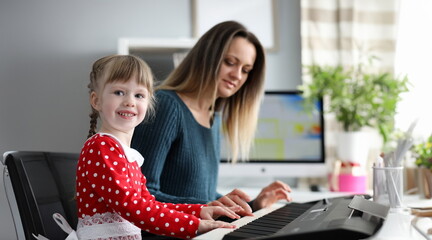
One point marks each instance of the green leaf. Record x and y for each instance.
(358, 98)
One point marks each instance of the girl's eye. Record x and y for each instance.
(139, 95)
(119, 93)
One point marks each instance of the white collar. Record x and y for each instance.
(132, 155)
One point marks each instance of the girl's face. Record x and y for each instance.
(235, 67)
(121, 106)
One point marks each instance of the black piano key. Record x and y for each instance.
(255, 231)
(282, 218)
(269, 223)
(279, 217)
(264, 227)
(238, 235)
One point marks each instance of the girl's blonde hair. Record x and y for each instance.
(119, 68)
(198, 73)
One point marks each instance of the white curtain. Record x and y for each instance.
(342, 32)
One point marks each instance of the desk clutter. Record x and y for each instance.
(351, 175)
(388, 183)
(420, 216)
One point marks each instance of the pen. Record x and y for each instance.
(379, 162)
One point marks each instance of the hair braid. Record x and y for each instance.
(93, 122)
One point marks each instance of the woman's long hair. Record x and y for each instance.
(198, 74)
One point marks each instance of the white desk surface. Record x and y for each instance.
(397, 226)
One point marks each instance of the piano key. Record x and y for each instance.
(269, 223)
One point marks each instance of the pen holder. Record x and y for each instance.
(388, 186)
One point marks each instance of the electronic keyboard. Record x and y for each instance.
(351, 217)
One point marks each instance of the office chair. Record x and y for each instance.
(43, 184)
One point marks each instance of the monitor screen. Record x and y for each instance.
(286, 134)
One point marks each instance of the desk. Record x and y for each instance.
(397, 225)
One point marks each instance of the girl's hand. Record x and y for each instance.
(207, 225)
(271, 194)
(235, 198)
(213, 212)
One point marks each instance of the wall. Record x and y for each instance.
(47, 48)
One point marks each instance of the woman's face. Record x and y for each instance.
(236, 65)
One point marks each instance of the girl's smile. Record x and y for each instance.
(126, 114)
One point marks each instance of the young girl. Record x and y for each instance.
(112, 199)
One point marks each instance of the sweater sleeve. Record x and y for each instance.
(109, 172)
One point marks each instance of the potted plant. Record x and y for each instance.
(422, 153)
(357, 97)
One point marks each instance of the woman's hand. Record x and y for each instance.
(213, 212)
(235, 198)
(271, 194)
(207, 225)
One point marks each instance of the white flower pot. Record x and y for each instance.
(353, 147)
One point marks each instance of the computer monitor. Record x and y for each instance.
(289, 141)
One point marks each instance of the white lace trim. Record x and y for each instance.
(107, 226)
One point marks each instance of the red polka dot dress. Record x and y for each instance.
(113, 201)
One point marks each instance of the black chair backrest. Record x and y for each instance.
(43, 184)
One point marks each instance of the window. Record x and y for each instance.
(413, 54)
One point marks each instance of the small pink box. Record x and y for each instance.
(354, 184)
(350, 183)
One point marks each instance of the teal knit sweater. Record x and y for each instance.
(181, 156)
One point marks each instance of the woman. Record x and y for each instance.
(219, 83)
